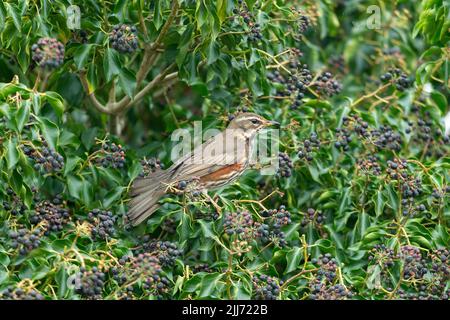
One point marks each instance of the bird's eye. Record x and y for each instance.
(255, 121)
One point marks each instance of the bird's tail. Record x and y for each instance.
(145, 194)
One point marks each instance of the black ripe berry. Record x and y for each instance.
(284, 165)
(369, 165)
(53, 217)
(90, 283)
(25, 240)
(44, 159)
(165, 252)
(265, 287)
(14, 205)
(124, 39)
(270, 230)
(145, 275)
(18, 293)
(327, 85)
(102, 224)
(397, 77)
(48, 53)
(111, 156)
(239, 223)
(315, 217)
(310, 145)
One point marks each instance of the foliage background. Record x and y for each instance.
(201, 65)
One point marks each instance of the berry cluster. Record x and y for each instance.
(248, 18)
(382, 255)
(344, 138)
(322, 286)
(102, 224)
(44, 160)
(284, 165)
(165, 251)
(112, 155)
(413, 267)
(270, 230)
(149, 166)
(186, 187)
(52, 215)
(424, 277)
(239, 223)
(308, 146)
(438, 195)
(410, 187)
(382, 138)
(124, 38)
(141, 274)
(304, 19)
(432, 142)
(316, 217)
(25, 240)
(398, 77)
(280, 217)
(327, 267)
(21, 294)
(90, 283)
(322, 291)
(387, 138)
(295, 86)
(265, 287)
(48, 53)
(398, 170)
(14, 205)
(327, 85)
(370, 165)
(303, 23)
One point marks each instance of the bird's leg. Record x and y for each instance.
(213, 202)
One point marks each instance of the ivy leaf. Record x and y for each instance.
(56, 101)
(293, 258)
(50, 131)
(127, 82)
(14, 14)
(22, 115)
(81, 55)
(111, 64)
(12, 154)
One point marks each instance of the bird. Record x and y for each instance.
(217, 162)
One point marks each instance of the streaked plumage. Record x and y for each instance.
(213, 164)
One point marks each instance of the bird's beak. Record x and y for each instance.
(272, 123)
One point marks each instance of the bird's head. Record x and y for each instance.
(250, 123)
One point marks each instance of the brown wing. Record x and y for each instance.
(212, 157)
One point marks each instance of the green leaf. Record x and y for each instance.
(56, 101)
(81, 55)
(50, 131)
(127, 82)
(111, 64)
(22, 115)
(112, 197)
(293, 257)
(14, 14)
(12, 154)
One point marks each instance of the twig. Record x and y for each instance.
(99, 106)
